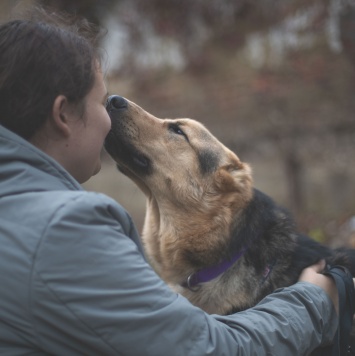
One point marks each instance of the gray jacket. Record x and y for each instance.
(73, 280)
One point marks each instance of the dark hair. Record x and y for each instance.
(42, 57)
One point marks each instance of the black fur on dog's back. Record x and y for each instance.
(309, 251)
(268, 233)
(264, 228)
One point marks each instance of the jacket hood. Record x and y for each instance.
(25, 168)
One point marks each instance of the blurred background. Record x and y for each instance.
(274, 80)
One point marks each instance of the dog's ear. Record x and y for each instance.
(234, 176)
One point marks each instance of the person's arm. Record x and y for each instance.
(290, 321)
(94, 294)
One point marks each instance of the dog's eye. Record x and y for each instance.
(175, 128)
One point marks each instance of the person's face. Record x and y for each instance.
(89, 132)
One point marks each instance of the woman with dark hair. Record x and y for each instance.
(72, 273)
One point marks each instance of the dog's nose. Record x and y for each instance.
(116, 102)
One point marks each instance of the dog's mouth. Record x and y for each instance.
(127, 155)
(124, 131)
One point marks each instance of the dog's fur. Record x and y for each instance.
(202, 209)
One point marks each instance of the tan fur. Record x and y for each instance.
(202, 209)
(186, 210)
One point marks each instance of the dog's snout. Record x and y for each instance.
(116, 102)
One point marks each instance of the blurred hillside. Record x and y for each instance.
(273, 80)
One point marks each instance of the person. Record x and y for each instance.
(73, 276)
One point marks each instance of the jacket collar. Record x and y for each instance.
(23, 168)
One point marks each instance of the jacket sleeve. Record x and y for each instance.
(92, 293)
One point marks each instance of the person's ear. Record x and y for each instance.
(61, 115)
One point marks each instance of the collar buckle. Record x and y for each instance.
(207, 274)
(190, 284)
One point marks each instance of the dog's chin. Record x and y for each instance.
(122, 169)
(135, 162)
(127, 156)
(127, 171)
(137, 179)
(141, 161)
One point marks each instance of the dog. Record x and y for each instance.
(208, 232)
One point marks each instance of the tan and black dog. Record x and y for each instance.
(208, 233)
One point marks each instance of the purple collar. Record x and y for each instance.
(209, 273)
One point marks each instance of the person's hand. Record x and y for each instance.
(312, 274)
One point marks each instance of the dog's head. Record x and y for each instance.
(175, 161)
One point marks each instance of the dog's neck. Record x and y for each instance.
(211, 272)
(165, 237)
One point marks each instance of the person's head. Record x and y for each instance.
(49, 74)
